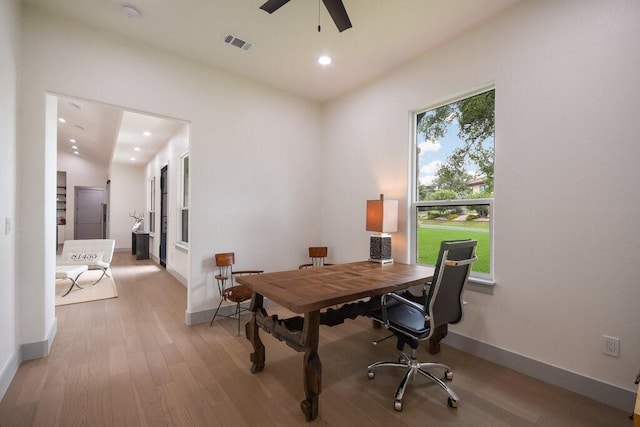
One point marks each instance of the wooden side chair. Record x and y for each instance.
(318, 255)
(225, 280)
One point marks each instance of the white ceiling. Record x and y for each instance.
(286, 44)
(105, 134)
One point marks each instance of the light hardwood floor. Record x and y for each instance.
(131, 361)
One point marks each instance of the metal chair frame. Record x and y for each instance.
(225, 280)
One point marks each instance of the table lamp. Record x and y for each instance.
(382, 217)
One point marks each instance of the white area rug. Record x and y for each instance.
(104, 289)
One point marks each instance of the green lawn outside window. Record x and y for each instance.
(430, 236)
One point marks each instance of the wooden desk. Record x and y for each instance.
(309, 291)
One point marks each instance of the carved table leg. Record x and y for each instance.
(438, 335)
(252, 333)
(312, 366)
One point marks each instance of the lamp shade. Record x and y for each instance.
(382, 215)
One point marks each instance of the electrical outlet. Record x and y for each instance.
(611, 346)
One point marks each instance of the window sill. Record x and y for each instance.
(182, 246)
(483, 286)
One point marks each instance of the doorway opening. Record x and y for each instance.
(115, 152)
(164, 218)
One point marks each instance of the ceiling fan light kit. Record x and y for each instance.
(335, 8)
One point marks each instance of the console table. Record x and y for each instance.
(140, 244)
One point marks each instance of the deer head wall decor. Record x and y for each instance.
(139, 219)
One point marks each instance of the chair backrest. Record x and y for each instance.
(444, 301)
(225, 262)
(225, 259)
(318, 255)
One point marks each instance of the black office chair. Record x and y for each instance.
(412, 322)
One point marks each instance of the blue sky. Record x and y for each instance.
(435, 153)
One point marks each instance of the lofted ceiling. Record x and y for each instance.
(285, 45)
(105, 134)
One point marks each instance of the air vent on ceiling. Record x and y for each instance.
(239, 43)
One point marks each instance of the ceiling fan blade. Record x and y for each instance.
(338, 14)
(273, 5)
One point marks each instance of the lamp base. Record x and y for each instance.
(380, 249)
(382, 261)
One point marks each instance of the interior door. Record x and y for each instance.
(163, 216)
(88, 222)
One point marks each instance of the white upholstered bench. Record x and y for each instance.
(96, 254)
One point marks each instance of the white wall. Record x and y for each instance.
(566, 187)
(127, 194)
(177, 258)
(254, 155)
(80, 173)
(9, 58)
(566, 91)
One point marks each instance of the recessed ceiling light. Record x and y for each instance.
(136, 148)
(76, 153)
(61, 120)
(73, 141)
(132, 158)
(74, 147)
(324, 60)
(146, 133)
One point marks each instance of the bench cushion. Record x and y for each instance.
(69, 271)
(95, 253)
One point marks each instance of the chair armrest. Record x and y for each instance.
(405, 301)
(419, 307)
(453, 263)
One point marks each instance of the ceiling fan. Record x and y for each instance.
(335, 7)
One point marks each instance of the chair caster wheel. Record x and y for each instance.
(448, 375)
(371, 375)
(397, 405)
(452, 403)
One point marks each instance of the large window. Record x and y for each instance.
(453, 184)
(152, 205)
(184, 199)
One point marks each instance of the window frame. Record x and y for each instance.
(183, 200)
(414, 204)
